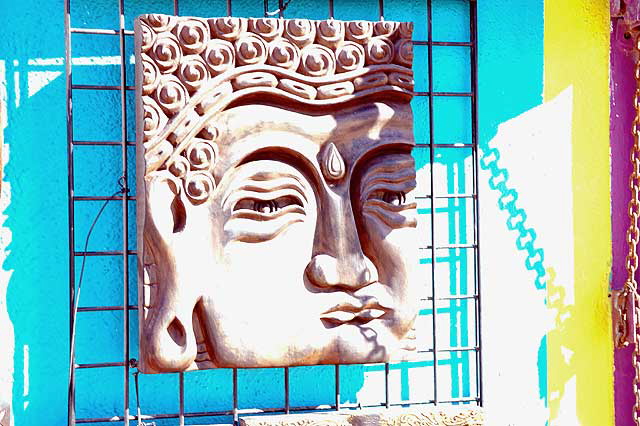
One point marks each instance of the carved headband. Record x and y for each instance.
(190, 69)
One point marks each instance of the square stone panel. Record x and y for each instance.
(276, 219)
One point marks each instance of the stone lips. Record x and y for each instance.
(193, 68)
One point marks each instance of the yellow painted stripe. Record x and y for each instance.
(576, 54)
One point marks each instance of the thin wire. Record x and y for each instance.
(139, 412)
(123, 190)
(275, 12)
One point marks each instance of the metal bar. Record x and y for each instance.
(451, 94)
(445, 197)
(105, 308)
(229, 10)
(281, 8)
(450, 246)
(473, 296)
(337, 393)
(386, 384)
(105, 143)
(381, 9)
(176, 8)
(441, 43)
(100, 365)
(101, 198)
(331, 10)
(286, 390)
(273, 410)
(100, 87)
(125, 212)
(460, 349)
(473, 16)
(99, 31)
(453, 400)
(235, 397)
(441, 350)
(181, 413)
(71, 399)
(103, 253)
(445, 145)
(433, 219)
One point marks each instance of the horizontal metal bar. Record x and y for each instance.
(100, 365)
(459, 349)
(453, 297)
(446, 197)
(106, 31)
(99, 87)
(108, 143)
(451, 246)
(452, 400)
(446, 145)
(442, 43)
(99, 31)
(103, 253)
(245, 411)
(105, 308)
(101, 197)
(448, 94)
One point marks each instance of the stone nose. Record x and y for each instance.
(348, 273)
(339, 259)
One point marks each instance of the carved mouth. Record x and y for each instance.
(355, 312)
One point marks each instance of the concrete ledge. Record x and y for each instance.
(445, 416)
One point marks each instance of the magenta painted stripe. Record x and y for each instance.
(622, 113)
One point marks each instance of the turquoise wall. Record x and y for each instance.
(37, 295)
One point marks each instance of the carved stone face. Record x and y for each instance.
(292, 243)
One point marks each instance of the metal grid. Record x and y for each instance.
(127, 364)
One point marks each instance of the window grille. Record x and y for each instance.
(104, 387)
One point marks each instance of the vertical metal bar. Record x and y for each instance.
(381, 7)
(473, 30)
(433, 207)
(176, 8)
(235, 397)
(125, 210)
(281, 8)
(181, 414)
(386, 384)
(71, 403)
(229, 10)
(265, 3)
(286, 390)
(337, 395)
(331, 14)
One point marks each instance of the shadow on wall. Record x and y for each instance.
(35, 178)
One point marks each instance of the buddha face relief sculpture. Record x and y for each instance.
(276, 218)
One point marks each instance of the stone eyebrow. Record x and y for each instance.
(286, 156)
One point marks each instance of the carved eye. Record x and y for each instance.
(267, 206)
(395, 198)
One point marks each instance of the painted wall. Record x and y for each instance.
(545, 208)
(544, 188)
